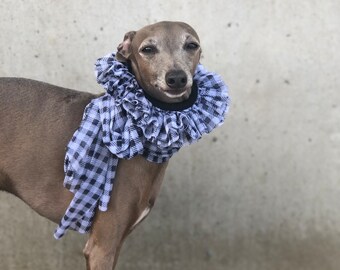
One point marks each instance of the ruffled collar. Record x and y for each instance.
(159, 126)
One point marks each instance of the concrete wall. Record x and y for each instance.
(263, 191)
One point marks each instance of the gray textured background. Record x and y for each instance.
(263, 191)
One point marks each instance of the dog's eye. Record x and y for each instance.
(149, 49)
(193, 46)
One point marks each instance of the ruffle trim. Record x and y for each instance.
(161, 127)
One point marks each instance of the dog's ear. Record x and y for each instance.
(124, 48)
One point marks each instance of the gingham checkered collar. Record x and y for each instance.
(124, 123)
(200, 115)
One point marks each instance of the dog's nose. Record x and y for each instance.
(176, 79)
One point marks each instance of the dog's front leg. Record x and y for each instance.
(135, 188)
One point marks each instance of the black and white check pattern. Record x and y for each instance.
(122, 124)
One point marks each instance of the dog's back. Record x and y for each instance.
(32, 115)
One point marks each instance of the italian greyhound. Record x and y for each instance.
(38, 119)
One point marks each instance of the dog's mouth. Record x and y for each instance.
(178, 93)
(170, 95)
(175, 99)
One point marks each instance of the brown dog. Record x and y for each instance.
(37, 120)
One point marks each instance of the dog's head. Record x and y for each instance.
(163, 57)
